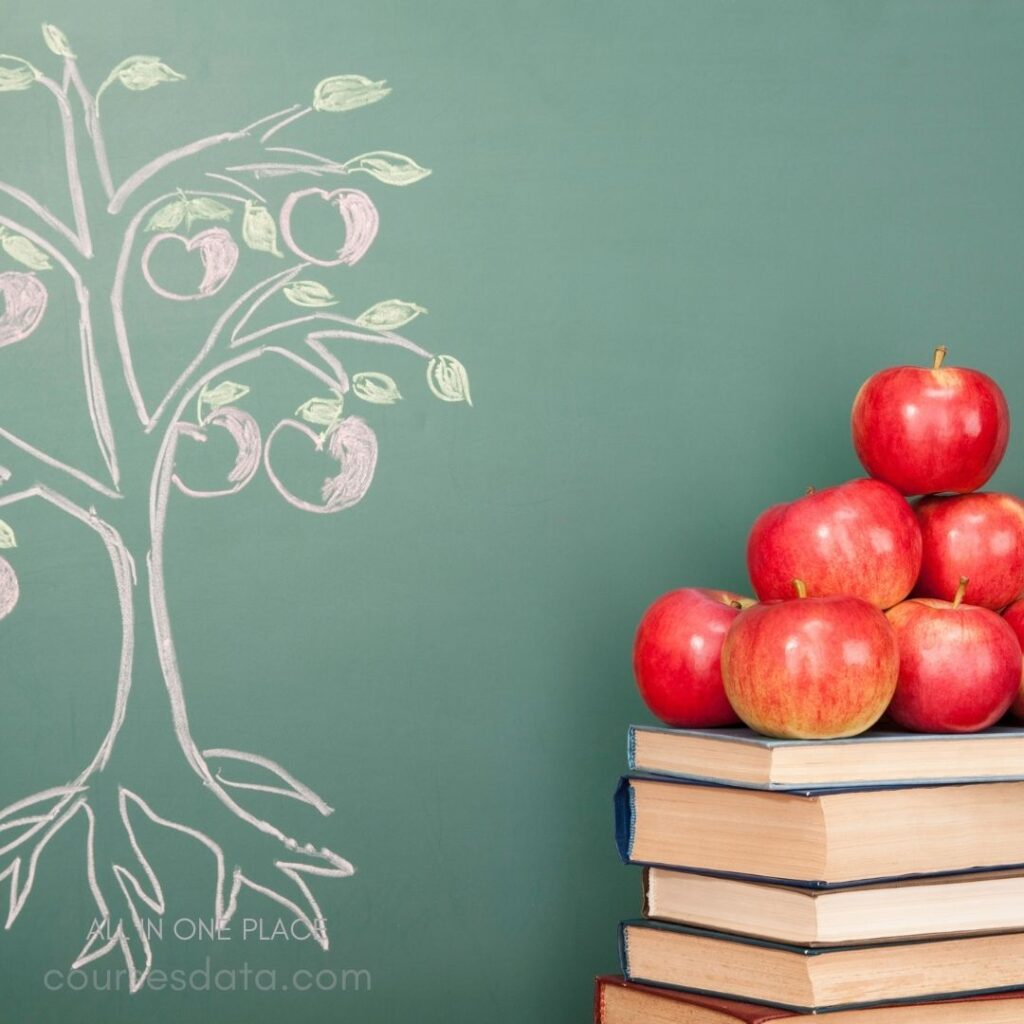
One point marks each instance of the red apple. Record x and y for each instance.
(980, 536)
(859, 539)
(929, 430)
(1014, 615)
(960, 665)
(812, 668)
(677, 657)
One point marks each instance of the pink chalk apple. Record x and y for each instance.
(24, 298)
(358, 214)
(217, 251)
(9, 590)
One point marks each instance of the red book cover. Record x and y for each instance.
(747, 1013)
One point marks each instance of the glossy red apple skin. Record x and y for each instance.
(927, 430)
(810, 668)
(677, 657)
(1014, 616)
(980, 536)
(860, 539)
(960, 667)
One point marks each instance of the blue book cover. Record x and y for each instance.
(998, 753)
(624, 802)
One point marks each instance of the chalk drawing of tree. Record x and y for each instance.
(222, 222)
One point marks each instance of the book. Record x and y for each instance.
(741, 757)
(905, 909)
(617, 1001)
(805, 979)
(820, 837)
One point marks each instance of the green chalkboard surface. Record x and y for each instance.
(365, 370)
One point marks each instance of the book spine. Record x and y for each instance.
(625, 819)
(631, 748)
(603, 983)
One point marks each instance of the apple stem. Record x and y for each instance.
(800, 587)
(809, 491)
(960, 591)
(938, 356)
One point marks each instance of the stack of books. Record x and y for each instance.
(877, 880)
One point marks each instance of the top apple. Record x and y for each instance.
(929, 430)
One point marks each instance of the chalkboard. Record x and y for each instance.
(365, 370)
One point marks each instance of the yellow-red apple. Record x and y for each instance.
(810, 667)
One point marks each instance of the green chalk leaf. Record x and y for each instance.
(377, 388)
(389, 314)
(308, 293)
